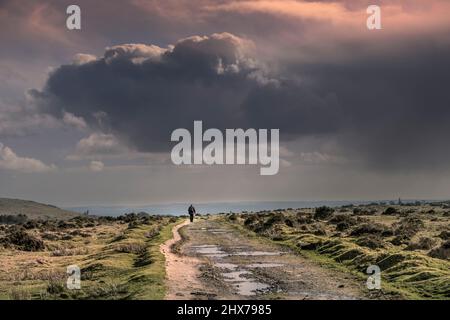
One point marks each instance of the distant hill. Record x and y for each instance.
(34, 210)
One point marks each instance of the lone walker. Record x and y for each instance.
(191, 211)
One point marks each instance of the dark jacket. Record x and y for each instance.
(191, 210)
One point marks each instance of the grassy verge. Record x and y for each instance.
(117, 261)
(405, 274)
(176, 247)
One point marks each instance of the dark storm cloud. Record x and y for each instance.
(144, 92)
(389, 111)
(395, 108)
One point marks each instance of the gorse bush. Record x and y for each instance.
(323, 213)
(406, 228)
(343, 219)
(55, 287)
(424, 243)
(442, 252)
(371, 241)
(21, 240)
(390, 211)
(135, 248)
(371, 228)
(445, 235)
(13, 219)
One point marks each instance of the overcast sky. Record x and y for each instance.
(86, 115)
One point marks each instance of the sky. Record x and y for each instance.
(86, 115)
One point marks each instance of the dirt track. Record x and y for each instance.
(217, 261)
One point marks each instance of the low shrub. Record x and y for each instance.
(133, 224)
(305, 218)
(135, 248)
(55, 287)
(274, 219)
(13, 219)
(143, 259)
(250, 220)
(390, 211)
(173, 219)
(20, 239)
(323, 213)
(442, 252)
(152, 233)
(406, 228)
(371, 228)
(423, 243)
(289, 223)
(371, 241)
(445, 235)
(318, 229)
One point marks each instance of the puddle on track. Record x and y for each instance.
(207, 249)
(239, 276)
(257, 253)
(210, 250)
(264, 265)
(244, 284)
(224, 265)
(215, 251)
(215, 231)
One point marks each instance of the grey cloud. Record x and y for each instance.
(9, 160)
(389, 111)
(145, 92)
(96, 166)
(98, 145)
(17, 120)
(394, 108)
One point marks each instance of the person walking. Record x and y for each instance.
(192, 212)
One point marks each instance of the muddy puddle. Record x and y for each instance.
(214, 230)
(264, 265)
(239, 276)
(224, 265)
(217, 231)
(244, 284)
(256, 253)
(216, 251)
(209, 250)
(241, 280)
